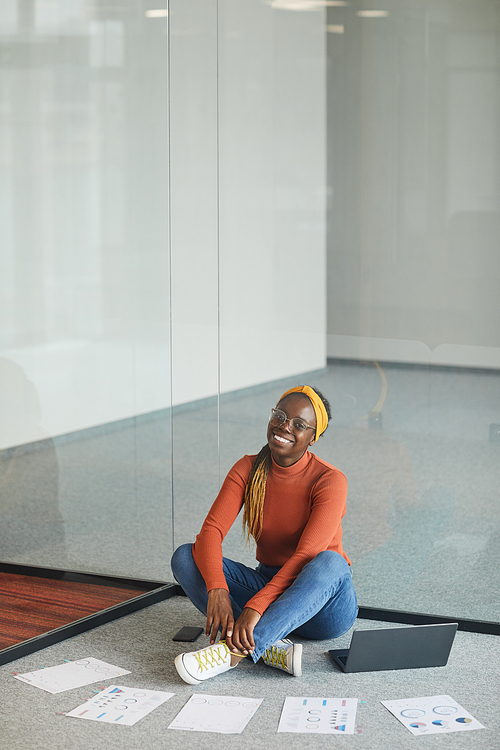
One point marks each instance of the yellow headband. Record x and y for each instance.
(318, 406)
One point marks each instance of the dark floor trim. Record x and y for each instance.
(415, 618)
(79, 577)
(154, 592)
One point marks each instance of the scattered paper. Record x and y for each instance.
(71, 675)
(120, 705)
(216, 713)
(437, 714)
(318, 715)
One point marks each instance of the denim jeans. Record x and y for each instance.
(320, 603)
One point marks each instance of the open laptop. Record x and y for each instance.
(408, 647)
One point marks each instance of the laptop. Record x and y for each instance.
(408, 647)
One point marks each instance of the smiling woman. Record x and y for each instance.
(288, 434)
(293, 505)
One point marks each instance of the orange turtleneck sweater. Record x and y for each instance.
(303, 510)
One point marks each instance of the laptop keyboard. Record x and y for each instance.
(342, 658)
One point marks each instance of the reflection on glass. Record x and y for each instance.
(412, 284)
(30, 518)
(84, 274)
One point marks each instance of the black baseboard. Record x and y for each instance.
(415, 618)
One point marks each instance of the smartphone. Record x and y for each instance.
(187, 633)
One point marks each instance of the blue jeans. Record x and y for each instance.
(320, 603)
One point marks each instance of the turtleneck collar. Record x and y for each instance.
(285, 472)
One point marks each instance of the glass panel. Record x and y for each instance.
(85, 472)
(413, 304)
(410, 125)
(195, 284)
(272, 167)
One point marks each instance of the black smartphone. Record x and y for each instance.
(187, 633)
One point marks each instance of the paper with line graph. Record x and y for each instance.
(226, 714)
(72, 674)
(318, 715)
(120, 705)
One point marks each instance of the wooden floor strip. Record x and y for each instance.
(30, 606)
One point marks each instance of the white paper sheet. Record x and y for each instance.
(120, 705)
(216, 713)
(71, 675)
(436, 714)
(318, 715)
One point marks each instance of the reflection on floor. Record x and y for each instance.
(423, 521)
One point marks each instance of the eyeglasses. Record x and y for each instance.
(278, 418)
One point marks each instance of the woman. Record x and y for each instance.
(294, 503)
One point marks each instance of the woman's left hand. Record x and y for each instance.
(242, 637)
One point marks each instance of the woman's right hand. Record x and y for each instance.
(219, 615)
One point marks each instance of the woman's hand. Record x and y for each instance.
(242, 637)
(219, 615)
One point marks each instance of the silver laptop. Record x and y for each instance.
(408, 647)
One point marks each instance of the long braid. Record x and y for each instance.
(255, 491)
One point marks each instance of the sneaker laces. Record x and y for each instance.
(276, 656)
(211, 656)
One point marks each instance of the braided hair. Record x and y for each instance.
(255, 489)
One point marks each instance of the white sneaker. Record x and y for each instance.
(196, 666)
(285, 655)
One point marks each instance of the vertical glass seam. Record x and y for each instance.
(170, 307)
(217, 173)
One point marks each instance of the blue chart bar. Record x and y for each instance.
(304, 702)
(120, 717)
(324, 702)
(100, 715)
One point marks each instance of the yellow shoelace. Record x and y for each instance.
(276, 657)
(211, 656)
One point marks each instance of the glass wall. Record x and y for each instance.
(85, 473)
(248, 175)
(206, 202)
(413, 304)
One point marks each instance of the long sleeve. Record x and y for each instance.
(207, 549)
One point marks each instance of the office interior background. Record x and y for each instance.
(204, 202)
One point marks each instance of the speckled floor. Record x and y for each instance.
(422, 530)
(141, 643)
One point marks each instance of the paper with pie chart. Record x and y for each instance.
(318, 715)
(436, 714)
(225, 714)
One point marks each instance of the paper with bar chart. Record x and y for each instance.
(120, 705)
(318, 715)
